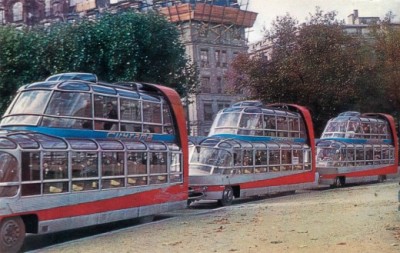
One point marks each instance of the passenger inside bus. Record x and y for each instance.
(111, 114)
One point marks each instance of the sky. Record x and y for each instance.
(268, 10)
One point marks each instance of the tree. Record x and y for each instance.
(124, 47)
(19, 54)
(386, 64)
(314, 64)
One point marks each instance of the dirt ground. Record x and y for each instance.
(363, 218)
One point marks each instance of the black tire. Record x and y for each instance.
(381, 178)
(339, 182)
(12, 234)
(227, 196)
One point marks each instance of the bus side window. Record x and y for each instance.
(137, 168)
(84, 165)
(30, 167)
(55, 166)
(8, 173)
(158, 165)
(112, 165)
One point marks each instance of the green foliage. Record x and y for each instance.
(318, 65)
(126, 46)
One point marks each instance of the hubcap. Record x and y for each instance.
(10, 233)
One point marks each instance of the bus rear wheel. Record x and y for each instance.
(12, 234)
(339, 182)
(227, 196)
(381, 178)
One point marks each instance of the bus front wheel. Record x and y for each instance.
(227, 196)
(12, 234)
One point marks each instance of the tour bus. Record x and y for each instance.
(251, 150)
(357, 147)
(76, 152)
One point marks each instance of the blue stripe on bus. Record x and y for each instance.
(259, 138)
(360, 141)
(77, 133)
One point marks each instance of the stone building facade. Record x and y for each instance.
(213, 35)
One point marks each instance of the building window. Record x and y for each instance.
(17, 11)
(223, 104)
(2, 19)
(224, 60)
(205, 85)
(217, 58)
(204, 58)
(219, 85)
(208, 112)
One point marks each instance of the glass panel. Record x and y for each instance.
(297, 159)
(110, 145)
(261, 158)
(30, 166)
(24, 141)
(31, 189)
(7, 144)
(20, 120)
(105, 107)
(55, 165)
(134, 181)
(274, 159)
(151, 112)
(48, 85)
(112, 183)
(126, 127)
(70, 104)
(152, 129)
(84, 164)
(128, 94)
(130, 110)
(158, 162)
(160, 179)
(112, 163)
(74, 86)
(8, 172)
(49, 142)
(31, 102)
(157, 146)
(82, 144)
(134, 145)
(282, 126)
(286, 160)
(103, 89)
(136, 163)
(66, 123)
(167, 117)
(175, 162)
(50, 188)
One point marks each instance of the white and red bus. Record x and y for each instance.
(252, 150)
(356, 148)
(67, 161)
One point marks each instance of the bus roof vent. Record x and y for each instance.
(350, 114)
(89, 77)
(248, 103)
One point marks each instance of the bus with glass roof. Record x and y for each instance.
(252, 150)
(67, 161)
(356, 148)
